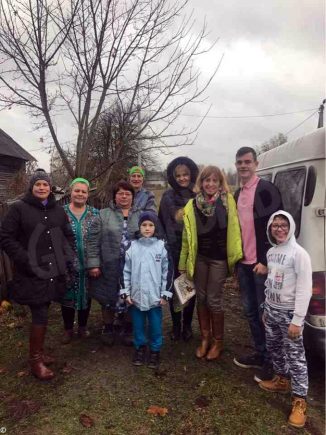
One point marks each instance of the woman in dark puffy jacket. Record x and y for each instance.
(182, 173)
(37, 236)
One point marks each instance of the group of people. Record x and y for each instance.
(127, 256)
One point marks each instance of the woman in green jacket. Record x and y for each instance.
(211, 245)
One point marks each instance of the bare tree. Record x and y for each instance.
(64, 61)
(274, 142)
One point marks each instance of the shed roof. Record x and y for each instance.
(9, 147)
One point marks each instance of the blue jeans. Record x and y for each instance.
(252, 292)
(154, 316)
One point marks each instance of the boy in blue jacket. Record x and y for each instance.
(147, 287)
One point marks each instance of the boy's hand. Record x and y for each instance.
(294, 331)
(129, 301)
(260, 269)
(163, 301)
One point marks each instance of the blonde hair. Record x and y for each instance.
(208, 171)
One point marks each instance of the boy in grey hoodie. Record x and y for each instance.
(288, 292)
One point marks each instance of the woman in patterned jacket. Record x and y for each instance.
(81, 217)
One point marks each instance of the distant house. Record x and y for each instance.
(13, 158)
(155, 179)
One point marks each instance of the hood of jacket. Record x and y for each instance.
(29, 198)
(291, 232)
(191, 165)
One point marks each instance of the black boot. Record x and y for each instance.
(139, 356)
(108, 336)
(187, 332)
(126, 334)
(175, 334)
(154, 360)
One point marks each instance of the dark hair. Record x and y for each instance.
(122, 184)
(245, 150)
(281, 216)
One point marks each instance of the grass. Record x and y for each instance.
(100, 382)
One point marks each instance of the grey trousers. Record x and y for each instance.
(288, 356)
(209, 280)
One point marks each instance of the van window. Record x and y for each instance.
(311, 184)
(291, 185)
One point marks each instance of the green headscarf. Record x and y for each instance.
(135, 169)
(79, 180)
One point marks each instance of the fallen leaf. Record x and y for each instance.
(66, 370)
(22, 373)
(3, 370)
(157, 410)
(86, 420)
(19, 344)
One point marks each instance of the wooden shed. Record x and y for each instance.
(13, 158)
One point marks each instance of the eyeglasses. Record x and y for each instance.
(124, 194)
(283, 227)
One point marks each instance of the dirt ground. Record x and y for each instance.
(97, 390)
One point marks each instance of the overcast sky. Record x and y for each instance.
(274, 62)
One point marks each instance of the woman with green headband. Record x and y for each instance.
(81, 217)
(144, 199)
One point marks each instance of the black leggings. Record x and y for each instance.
(68, 315)
(40, 314)
(185, 315)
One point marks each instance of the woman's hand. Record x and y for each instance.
(294, 331)
(95, 272)
(129, 300)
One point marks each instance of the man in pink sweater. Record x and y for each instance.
(257, 200)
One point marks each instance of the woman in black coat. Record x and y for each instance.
(36, 235)
(182, 174)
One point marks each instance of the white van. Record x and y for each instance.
(297, 168)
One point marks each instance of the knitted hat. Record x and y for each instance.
(39, 174)
(148, 216)
(136, 169)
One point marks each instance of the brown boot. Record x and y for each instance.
(205, 329)
(278, 384)
(36, 341)
(216, 348)
(47, 359)
(298, 415)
